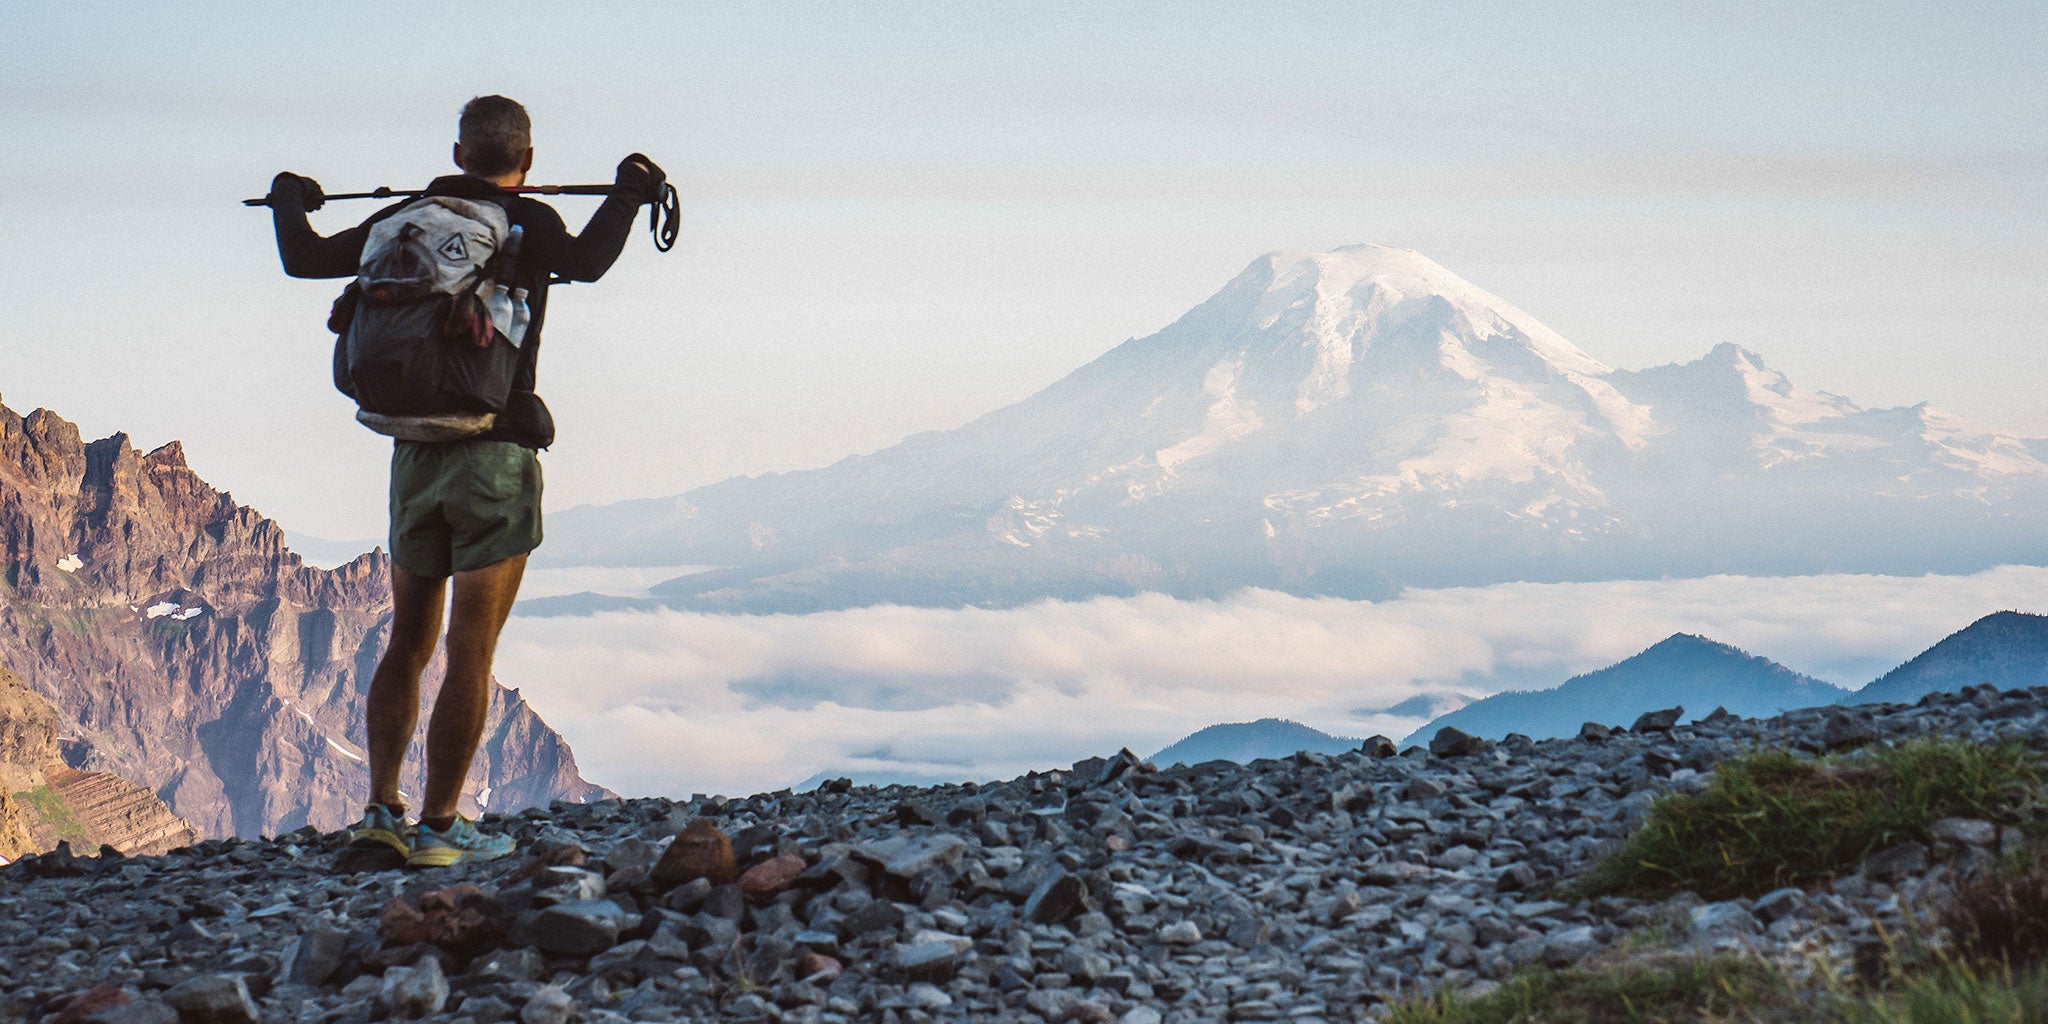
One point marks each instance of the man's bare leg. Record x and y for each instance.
(393, 706)
(483, 600)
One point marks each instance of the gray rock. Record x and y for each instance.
(1844, 731)
(548, 1005)
(1422, 787)
(1897, 862)
(1451, 741)
(213, 999)
(1571, 945)
(907, 857)
(510, 965)
(632, 852)
(1515, 878)
(141, 1011)
(412, 992)
(316, 955)
(1594, 732)
(1966, 831)
(579, 927)
(565, 885)
(1729, 917)
(928, 961)
(1657, 721)
(923, 995)
(1376, 747)
(1180, 933)
(1351, 798)
(1057, 898)
(1778, 902)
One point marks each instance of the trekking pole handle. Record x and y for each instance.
(664, 215)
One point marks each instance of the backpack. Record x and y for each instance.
(424, 341)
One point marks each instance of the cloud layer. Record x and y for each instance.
(672, 703)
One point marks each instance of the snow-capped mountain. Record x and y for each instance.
(1343, 423)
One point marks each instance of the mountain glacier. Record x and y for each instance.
(1345, 423)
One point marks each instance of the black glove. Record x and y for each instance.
(639, 180)
(293, 190)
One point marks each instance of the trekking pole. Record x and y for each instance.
(664, 215)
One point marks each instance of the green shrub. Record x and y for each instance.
(1773, 818)
(1665, 991)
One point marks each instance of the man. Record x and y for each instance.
(469, 509)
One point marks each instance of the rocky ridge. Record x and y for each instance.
(1311, 888)
(185, 648)
(44, 801)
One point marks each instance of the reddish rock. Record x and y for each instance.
(78, 1007)
(401, 923)
(818, 967)
(772, 876)
(454, 919)
(701, 851)
(550, 857)
(445, 900)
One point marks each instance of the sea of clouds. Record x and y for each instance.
(674, 703)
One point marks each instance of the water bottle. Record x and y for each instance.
(521, 317)
(507, 308)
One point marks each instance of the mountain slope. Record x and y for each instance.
(1687, 670)
(185, 648)
(1342, 423)
(43, 801)
(2007, 649)
(1245, 742)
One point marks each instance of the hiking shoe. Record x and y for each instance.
(377, 843)
(460, 844)
(380, 827)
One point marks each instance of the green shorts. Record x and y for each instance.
(462, 505)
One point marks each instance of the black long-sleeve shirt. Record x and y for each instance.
(547, 250)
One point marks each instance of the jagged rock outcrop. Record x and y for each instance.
(185, 647)
(44, 801)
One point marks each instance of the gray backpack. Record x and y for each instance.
(427, 344)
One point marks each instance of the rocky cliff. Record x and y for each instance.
(44, 802)
(184, 647)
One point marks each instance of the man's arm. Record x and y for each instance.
(587, 256)
(302, 250)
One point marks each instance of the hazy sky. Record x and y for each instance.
(901, 215)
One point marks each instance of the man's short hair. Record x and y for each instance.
(495, 134)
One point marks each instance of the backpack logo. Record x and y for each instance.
(453, 250)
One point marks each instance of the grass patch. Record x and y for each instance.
(1949, 992)
(1666, 991)
(57, 817)
(1772, 818)
(1732, 988)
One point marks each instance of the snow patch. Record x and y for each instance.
(483, 798)
(70, 563)
(161, 609)
(1227, 420)
(347, 753)
(188, 613)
